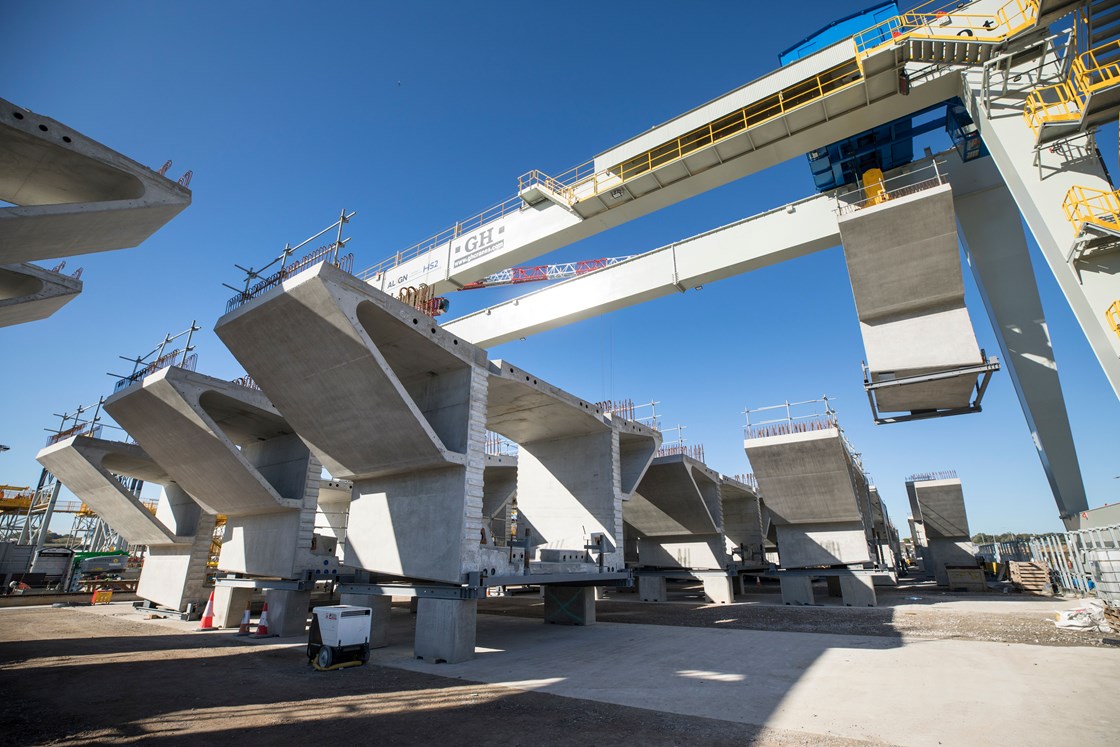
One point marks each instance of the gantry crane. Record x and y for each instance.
(1024, 81)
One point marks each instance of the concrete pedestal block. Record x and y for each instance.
(569, 605)
(287, 611)
(652, 589)
(834, 589)
(381, 607)
(718, 590)
(797, 589)
(858, 591)
(230, 604)
(445, 630)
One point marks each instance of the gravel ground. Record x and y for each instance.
(933, 616)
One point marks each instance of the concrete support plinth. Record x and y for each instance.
(229, 605)
(857, 591)
(381, 607)
(569, 605)
(445, 630)
(718, 589)
(287, 611)
(652, 589)
(797, 589)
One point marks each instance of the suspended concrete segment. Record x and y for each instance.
(228, 447)
(816, 496)
(903, 260)
(73, 195)
(744, 528)
(937, 505)
(177, 535)
(29, 293)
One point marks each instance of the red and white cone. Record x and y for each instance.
(243, 628)
(262, 626)
(207, 622)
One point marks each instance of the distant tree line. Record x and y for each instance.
(984, 539)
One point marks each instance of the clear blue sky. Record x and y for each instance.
(420, 114)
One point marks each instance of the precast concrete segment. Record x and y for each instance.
(684, 495)
(742, 520)
(1039, 182)
(576, 464)
(29, 293)
(805, 477)
(225, 444)
(87, 467)
(939, 505)
(346, 365)
(903, 261)
(71, 194)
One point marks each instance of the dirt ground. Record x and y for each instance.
(74, 676)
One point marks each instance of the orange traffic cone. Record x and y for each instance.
(243, 628)
(262, 626)
(208, 615)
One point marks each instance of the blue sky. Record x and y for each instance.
(420, 114)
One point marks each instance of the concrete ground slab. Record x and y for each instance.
(814, 684)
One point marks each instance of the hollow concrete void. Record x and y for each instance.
(178, 534)
(29, 293)
(816, 495)
(938, 506)
(230, 449)
(388, 400)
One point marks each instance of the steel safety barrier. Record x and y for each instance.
(1066, 101)
(1087, 206)
(1112, 314)
(938, 21)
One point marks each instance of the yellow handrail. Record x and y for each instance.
(1113, 316)
(939, 22)
(1085, 205)
(1065, 101)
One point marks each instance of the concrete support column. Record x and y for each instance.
(718, 589)
(445, 630)
(569, 605)
(858, 591)
(229, 605)
(287, 611)
(652, 589)
(380, 609)
(797, 589)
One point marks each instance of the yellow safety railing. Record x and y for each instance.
(1065, 101)
(938, 21)
(1113, 316)
(758, 113)
(1085, 205)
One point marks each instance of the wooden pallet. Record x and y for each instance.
(1031, 577)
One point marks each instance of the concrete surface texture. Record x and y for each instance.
(499, 490)
(810, 683)
(233, 452)
(676, 516)
(816, 497)
(29, 293)
(939, 505)
(903, 260)
(575, 467)
(72, 195)
(743, 528)
(178, 534)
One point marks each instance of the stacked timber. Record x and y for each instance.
(1032, 577)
